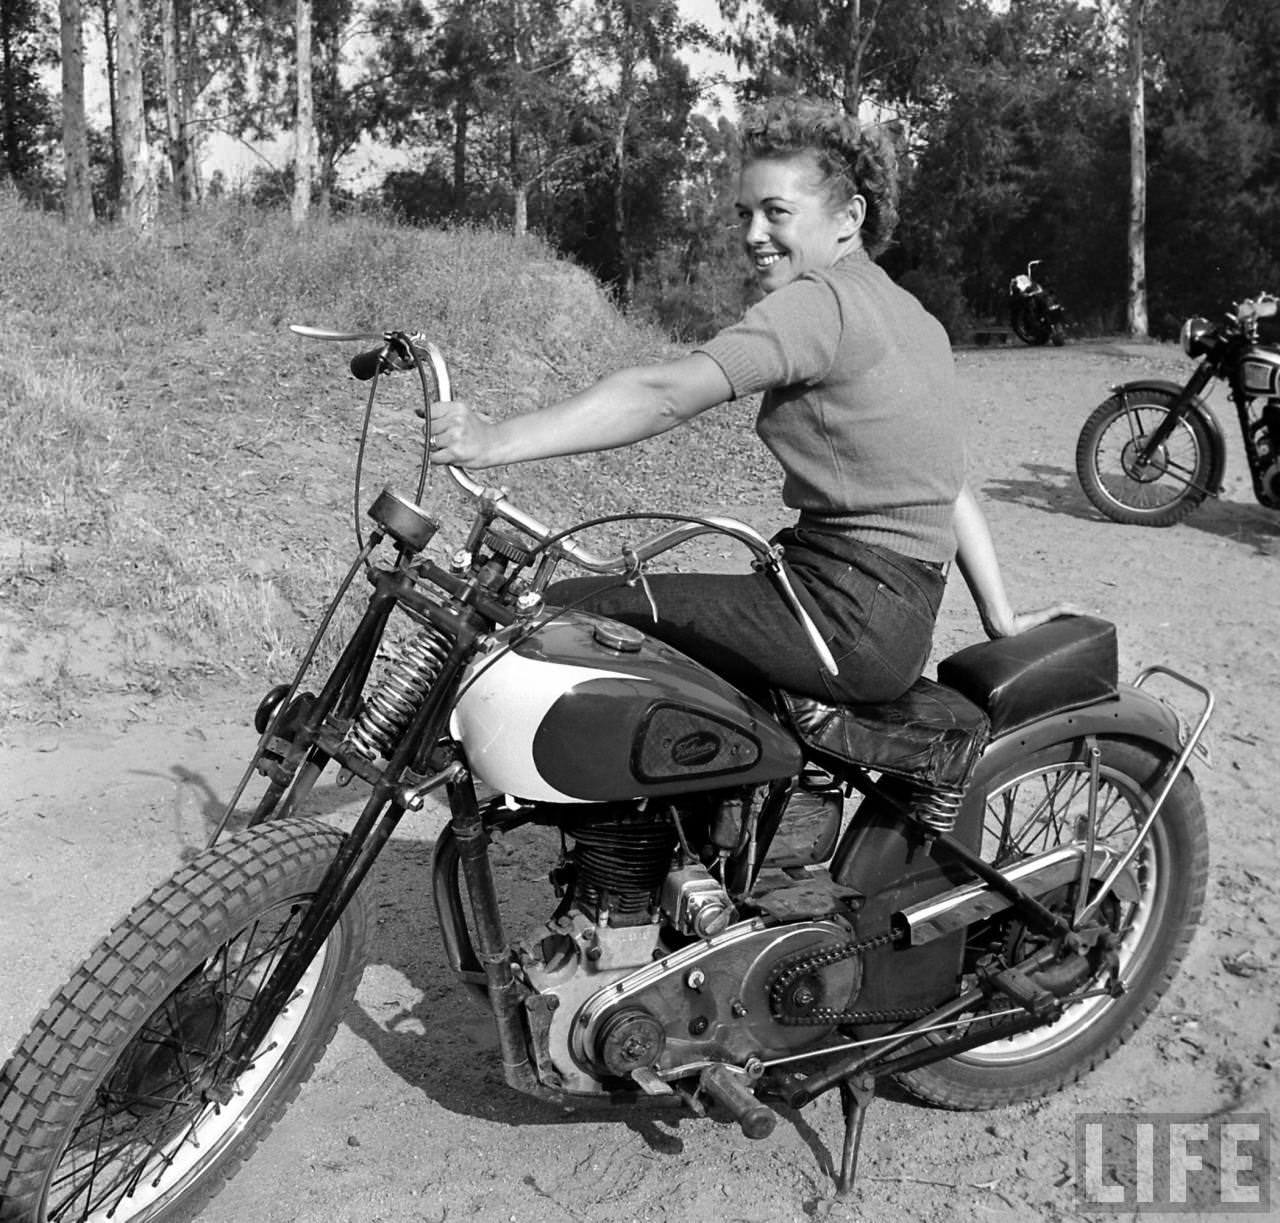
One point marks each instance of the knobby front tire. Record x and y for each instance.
(1029, 808)
(1159, 493)
(118, 1105)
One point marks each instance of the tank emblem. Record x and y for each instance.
(676, 741)
(695, 749)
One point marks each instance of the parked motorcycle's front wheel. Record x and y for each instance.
(1157, 493)
(1029, 807)
(118, 1104)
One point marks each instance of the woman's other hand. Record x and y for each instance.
(1008, 623)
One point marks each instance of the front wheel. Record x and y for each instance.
(119, 1104)
(1155, 493)
(1030, 807)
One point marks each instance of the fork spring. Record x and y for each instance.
(408, 677)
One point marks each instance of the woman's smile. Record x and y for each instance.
(789, 225)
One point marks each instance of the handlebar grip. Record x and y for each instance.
(365, 365)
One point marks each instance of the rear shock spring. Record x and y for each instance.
(410, 671)
(938, 810)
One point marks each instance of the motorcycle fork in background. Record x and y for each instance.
(1180, 408)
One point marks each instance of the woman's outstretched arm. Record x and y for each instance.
(976, 556)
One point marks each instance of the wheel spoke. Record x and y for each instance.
(138, 1128)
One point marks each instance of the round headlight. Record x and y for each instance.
(1195, 334)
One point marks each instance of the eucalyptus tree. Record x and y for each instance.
(77, 195)
(1022, 157)
(304, 121)
(1213, 224)
(1136, 306)
(28, 44)
(489, 93)
(644, 93)
(890, 52)
(138, 178)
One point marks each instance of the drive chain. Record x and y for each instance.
(795, 966)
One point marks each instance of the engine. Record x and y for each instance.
(1264, 445)
(647, 965)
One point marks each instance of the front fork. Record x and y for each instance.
(1200, 378)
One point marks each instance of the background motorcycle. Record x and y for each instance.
(1034, 313)
(1154, 450)
(1004, 907)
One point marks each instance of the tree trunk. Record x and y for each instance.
(113, 101)
(173, 48)
(461, 114)
(626, 274)
(77, 196)
(1137, 304)
(138, 179)
(12, 156)
(520, 221)
(304, 128)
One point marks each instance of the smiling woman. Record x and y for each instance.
(858, 408)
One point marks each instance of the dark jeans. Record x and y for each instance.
(875, 609)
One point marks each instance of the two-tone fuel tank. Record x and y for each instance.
(590, 710)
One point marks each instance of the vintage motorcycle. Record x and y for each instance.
(1035, 314)
(1005, 905)
(1153, 451)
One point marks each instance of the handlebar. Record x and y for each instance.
(393, 346)
(1253, 308)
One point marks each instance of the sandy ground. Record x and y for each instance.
(407, 1118)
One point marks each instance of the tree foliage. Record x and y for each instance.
(28, 44)
(582, 121)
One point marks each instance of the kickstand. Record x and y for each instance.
(856, 1095)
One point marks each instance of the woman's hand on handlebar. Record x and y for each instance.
(461, 436)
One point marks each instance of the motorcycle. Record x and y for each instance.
(1153, 451)
(1035, 315)
(1006, 903)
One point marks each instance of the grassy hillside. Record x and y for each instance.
(178, 466)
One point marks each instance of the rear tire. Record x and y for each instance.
(116, 1104)
(1028, 325)
(1030, 807)
(1164, 491)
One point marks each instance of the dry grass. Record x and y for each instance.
(178, 466)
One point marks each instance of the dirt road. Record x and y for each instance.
(407, 1118)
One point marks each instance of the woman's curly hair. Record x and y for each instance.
(853, 159)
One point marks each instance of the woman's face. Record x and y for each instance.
(789, 227)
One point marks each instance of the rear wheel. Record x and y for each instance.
(119, 1104)
(1029, 324)
(1157, 493)
(1029, 808)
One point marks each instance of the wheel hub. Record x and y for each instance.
(1143, 472)
(175, 1058)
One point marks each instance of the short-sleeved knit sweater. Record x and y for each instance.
(859, 404)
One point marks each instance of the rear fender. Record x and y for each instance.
(1133, 714)
(884, 858)
(1199, 408)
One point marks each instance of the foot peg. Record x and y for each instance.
(731, 1087)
